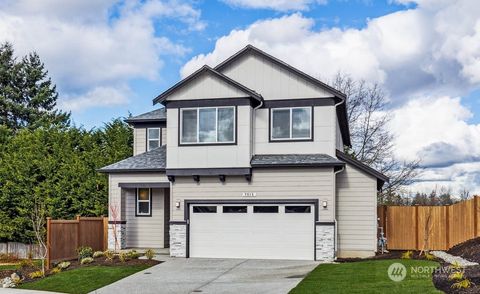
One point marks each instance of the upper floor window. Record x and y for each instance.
(207, 125)
(293, 123)
(153, 138)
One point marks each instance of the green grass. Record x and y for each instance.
(14, 266)
(366, 277)
(83, 280)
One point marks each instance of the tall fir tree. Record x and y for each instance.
(27, 95)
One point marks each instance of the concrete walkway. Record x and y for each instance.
(199, 275)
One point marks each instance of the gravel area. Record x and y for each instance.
(452, 259)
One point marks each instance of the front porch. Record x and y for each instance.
(139, 214)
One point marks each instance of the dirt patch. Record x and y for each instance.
(394, 254)
(469, 250)
(442, 283)
(25, 271)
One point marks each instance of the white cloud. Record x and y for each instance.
(97, 97)
(411, 52)
(436, 130)
(425, 57)
(90, 44)
(279, 5)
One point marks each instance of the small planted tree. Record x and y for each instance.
(115, 218)
(38, 216)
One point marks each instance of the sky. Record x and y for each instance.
(111, 58)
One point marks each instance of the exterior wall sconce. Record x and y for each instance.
(177, 204)
(324, 204)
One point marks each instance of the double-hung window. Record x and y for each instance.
(294, 123)
(207, 125)
(143, 202)
(153, 138)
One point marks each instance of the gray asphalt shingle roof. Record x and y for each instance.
(155, 115)
(153, 160)
(266, 160)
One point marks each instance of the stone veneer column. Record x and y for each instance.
(178, 239)
(325, 242)
(121, 231)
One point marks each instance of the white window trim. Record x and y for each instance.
(149, 201)
(290, 138)
(159, 137)
(216, 126)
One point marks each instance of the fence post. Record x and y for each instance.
(475, 216)
(416, 228)
(447, 226)
(105, 233)
(49, 238)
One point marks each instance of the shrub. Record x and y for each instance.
(407, 255)
(463, 284)
(123, 256)
(86, 260)
(149, 254)
(456, 265)
(63, 265)
(429, 256)
(98, 254)
(55, 270)
(8, 257)
(456, 276)
(84, 252)
(133, 254)
(109, 255)
(25, 263)
(36, 275)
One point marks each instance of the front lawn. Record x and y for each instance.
(367, 277)
(84, 279)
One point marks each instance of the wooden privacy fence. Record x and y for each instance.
(65, 236)
(429, 227)
(21, 250)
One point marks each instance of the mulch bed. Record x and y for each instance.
(441, 282)
(25, 271)
(394, 254)
(470, 250)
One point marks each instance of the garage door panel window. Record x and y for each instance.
(204, 209)
(143, 202)
(298, 209)
(234, 209)
(265, 209)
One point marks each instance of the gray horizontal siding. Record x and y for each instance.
(356, 211)
(308, 183)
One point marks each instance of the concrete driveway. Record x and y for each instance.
(199, 275)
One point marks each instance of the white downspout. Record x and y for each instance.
(335, 220)
(254, 117)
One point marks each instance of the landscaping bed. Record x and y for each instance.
(442, 281)
(99, 268)
(469, 250)
(394, 254)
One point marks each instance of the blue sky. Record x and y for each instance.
(220, 19)
(112, 57)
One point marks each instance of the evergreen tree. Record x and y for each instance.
(27, 95)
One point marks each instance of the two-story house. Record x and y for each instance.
(245, 160)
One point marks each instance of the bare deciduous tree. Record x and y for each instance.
(38, 216)
(372, 142)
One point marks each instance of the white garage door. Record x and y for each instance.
(267, 231)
